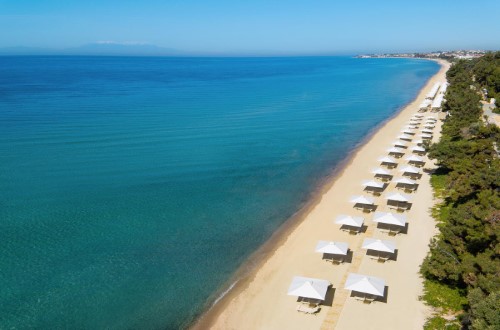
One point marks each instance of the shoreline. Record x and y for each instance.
(246, 274)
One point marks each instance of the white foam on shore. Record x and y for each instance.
(223, 294)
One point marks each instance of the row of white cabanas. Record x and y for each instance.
(314, 290)
(435, 88)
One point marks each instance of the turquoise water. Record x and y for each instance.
(132, 188)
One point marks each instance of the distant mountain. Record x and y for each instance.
(97, 49)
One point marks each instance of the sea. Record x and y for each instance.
(133, 188)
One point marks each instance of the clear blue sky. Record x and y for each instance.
(255, 26)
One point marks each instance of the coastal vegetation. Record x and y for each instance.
(462, 269)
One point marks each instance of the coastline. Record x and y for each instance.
(246, 289)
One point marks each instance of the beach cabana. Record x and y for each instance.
(400, 144)
(374, 187)
(425, 136)
(424, 105)
(433, 118)
(364, 203)
(390, 222)
(333, 251)
(309, 290)
(415, 160)
(396, 152)
(398, 201)
(351, 224)
(417, 115)
(418, 150)
(407, 184)
(427, 131)
(429, 125)
(437, 103)
(365, 288)
(405, 137)
(382, 174)
(378, 249)
(432, 93)
(408, 131)
(411, 171)
(388, 161)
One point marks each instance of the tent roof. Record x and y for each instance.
(387, 159)
(349, 220)
(332, 247)
(362, 200)
(396, 150)
(400, 143)
(308, 287)
(396, 196)
(381, 171)
(405, 181)
(409, 169)
(365, 284)
(414, 158)
(389, 218)
(373, 183)
(379, 245)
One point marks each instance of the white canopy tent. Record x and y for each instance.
(348, 220)
(307, 287)
(332, 247)
(365, 284)
(405, 181)
(382, 174)
(405, 137)
(432, 93)
(416, 160)
(438, 101)
(389, 218)
(400, 144)
(379, 245)
(408, 131)
(387, 160)
(362, 200)
(373, 184)
(425, 136)
(408, 169)
(418, 150)
(398, 197)
(425, 104)
(396, 151)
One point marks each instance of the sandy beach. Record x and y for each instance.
(260, 300)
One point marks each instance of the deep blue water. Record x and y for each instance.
(132, 188)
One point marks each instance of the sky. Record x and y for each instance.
(255, 26)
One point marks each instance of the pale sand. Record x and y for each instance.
(263, 303)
